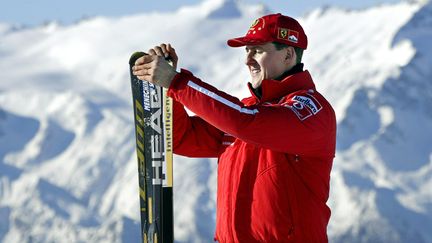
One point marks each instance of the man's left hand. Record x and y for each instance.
(155, 69)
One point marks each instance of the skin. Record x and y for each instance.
(263, 61)
(266, 62)
(154, 68)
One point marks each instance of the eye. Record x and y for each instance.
(254, 51)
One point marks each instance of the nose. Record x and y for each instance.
(249, 58)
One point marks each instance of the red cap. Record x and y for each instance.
(273, 28)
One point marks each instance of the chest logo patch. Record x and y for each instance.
(304, 106)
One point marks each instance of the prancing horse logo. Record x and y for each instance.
(283, 33)
(257, 25)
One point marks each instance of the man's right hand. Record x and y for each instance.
(167, 51)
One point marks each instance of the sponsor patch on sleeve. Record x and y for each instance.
(303, 105)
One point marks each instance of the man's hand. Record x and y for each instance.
(167, 51)
(155, 68)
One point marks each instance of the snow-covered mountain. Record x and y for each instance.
(68, 168)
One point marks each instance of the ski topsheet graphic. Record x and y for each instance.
(153, 129)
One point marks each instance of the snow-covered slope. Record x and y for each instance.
(67, 159)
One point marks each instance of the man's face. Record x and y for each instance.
(265, 62)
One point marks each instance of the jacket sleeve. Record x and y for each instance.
(193, 137)
(281, 128)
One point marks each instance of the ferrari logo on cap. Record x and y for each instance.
(283, 33)
(288, 35)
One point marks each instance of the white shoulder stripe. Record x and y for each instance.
(221, 99)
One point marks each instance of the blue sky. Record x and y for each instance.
(35, 12)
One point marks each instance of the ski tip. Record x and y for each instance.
(135, 56)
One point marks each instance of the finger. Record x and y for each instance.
(152, 52)
(143, 73)
(172, 54)
(143, 60)
(139, 72)
(170, 48)
(164, 50)
(158, 51)
(171, 51)
(143, 68)
(145, 77)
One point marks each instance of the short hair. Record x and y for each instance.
(298, 50)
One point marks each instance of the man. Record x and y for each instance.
(275, 148)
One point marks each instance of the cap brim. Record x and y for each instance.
(244, 41)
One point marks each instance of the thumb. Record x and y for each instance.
(144, 59)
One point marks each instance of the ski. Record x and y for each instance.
(153, 131)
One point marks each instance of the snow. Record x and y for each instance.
(67, 160)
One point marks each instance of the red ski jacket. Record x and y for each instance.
(275, 156)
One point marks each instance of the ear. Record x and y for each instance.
(290, 54)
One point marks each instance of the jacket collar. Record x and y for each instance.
(273, 89)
